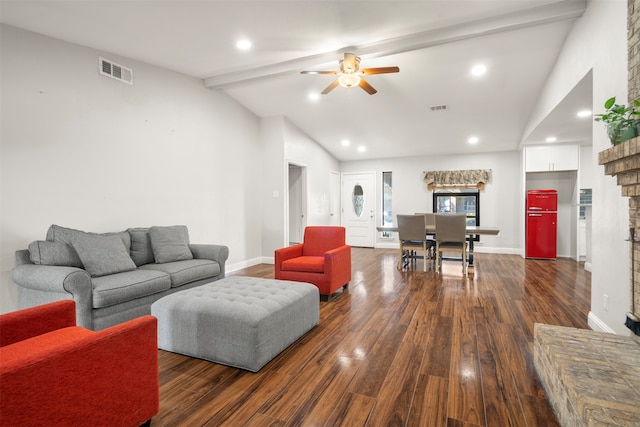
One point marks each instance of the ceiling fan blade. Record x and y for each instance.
(318, 72)
(380, 70)
(331, 87)
(367, 87)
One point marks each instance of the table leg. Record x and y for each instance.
(470, 268)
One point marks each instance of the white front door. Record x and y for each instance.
(359, 208)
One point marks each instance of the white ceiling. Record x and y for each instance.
(434, 42)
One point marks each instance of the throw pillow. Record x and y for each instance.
(68, 235)
(102, 255)
(170, 243)
(53, 253)
(141, 250)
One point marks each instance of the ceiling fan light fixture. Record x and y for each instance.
(349, 80)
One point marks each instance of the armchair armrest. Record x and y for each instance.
(337, 262)
(109, 377)
(284, 254)
(30, 322)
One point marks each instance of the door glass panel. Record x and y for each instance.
(357, 199)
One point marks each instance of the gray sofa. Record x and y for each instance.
(113, 277)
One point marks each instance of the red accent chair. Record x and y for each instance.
(54, 373)
(322, 259)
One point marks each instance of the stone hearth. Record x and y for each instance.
(591, 378)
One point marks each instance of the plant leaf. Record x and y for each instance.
(609, 103)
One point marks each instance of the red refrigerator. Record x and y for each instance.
(541, 223)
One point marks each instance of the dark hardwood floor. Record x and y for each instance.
(398, 348)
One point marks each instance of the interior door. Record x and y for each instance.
(359, 208)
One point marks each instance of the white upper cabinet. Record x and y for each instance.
(550, 158)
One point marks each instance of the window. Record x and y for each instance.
(387, 204)
(459, 202)
(585, 200)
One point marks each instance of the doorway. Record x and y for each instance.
(334, 198)
(296, 201)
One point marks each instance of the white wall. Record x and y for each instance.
(85, 151)
(301, 149)
(283, 142)
(598, 41)
(498, 202)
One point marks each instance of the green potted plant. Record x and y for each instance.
(621, 120)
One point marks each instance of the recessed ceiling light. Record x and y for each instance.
(243, 44)
(551, 139)
(314, 96)
(473, 140)
(346, 142)
(584, 113)
(479, 70)
(361, 149)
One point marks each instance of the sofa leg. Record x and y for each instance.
(146, 423)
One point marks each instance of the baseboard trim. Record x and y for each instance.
(230, 268)
(494, 250)
(598, 325)
(587, 266)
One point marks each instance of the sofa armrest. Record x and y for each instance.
(108, 377)
(31, 322)
(53, 283)
(219, 253)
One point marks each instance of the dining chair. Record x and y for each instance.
(451, 235)
(431, 240)
(413, 237)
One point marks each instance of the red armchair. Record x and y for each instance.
(322, 259)
(54, 373)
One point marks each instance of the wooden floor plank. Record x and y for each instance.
(407, 348)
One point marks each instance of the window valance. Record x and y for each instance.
(474, 178)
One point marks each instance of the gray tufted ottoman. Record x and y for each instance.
(238, 321)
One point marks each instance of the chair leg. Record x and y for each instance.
(424, 254)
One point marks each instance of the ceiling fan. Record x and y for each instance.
(350, 74)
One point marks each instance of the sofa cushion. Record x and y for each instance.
(170, 243)
(183, 272)
(122, 287)
(67, 235)
(310, 264)
(43, 252)
(102, 255)
(141, 250)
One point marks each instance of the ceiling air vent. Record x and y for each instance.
(439, 107)
(116, 71)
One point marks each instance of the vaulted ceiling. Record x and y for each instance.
(434, 42)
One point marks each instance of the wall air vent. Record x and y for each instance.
(439, 107)
(115, 71)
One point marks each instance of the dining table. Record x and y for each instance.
(472, 231)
